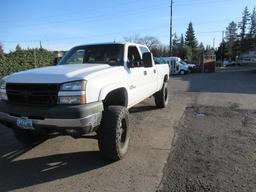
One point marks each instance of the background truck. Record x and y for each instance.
(178, 66)
(90, 90)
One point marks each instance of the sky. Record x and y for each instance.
(62, 24)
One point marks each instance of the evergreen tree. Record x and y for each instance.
(243, 25)
(253, 24)
(18, 47)
(182, 40)
(1, 49)
(41, 47)
(231, 37)
(231, 32)
(190, 39)
(175, 40)
(201, 46)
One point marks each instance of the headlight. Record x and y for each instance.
(72, 93)
(73, 86)
(3, 95)
(75, 100)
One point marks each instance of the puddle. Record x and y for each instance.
(200, 114)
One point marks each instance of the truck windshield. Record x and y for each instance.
(111, 54)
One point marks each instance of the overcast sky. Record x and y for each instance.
(61, 24)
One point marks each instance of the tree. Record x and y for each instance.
(253, 24)
(231, 37)
(40, 46)
(201, 46)
(161, 51)
(18, 47)
(1, 49)
(190, 39)
(243, 27)
(231, 32)
(175, 40)
(150, 41)
(133, 38)
(182, 40)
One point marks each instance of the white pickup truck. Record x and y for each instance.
(89, 91)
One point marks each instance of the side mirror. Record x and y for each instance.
(56, 60)
(147, 59)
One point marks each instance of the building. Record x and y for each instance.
(249, 57)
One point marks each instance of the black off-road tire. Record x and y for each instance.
(27, 137)
(162, 97)
(114, 134)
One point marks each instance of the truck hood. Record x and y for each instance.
(191, 65)
(57, 74)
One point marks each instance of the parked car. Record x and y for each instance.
(90, 90)
(227, 63)
(191, 67)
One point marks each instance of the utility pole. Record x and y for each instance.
(171, 29)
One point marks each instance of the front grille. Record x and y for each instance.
(32, 94)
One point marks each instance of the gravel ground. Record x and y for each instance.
(214, 150)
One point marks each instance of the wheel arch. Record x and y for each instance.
(115, 96)
(166, 78)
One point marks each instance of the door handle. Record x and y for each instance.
(154, 71)
(145, 72)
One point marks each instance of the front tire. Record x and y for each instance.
(28, 138)
(182, 72)
(114, 134)
(161, 97)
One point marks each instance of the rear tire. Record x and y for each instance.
(161, 97)
(114, 134)
(28, 138)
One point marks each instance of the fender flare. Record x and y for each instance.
(109, 88)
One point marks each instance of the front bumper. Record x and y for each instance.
(65, 119)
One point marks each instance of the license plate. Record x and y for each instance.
(25, 123)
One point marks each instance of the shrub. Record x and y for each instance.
(24, 59)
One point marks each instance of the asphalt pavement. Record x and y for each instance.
(66, 164)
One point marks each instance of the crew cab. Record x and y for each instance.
(89, 91)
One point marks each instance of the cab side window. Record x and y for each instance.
(134, 56)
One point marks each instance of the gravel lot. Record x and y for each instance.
(214, 150)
